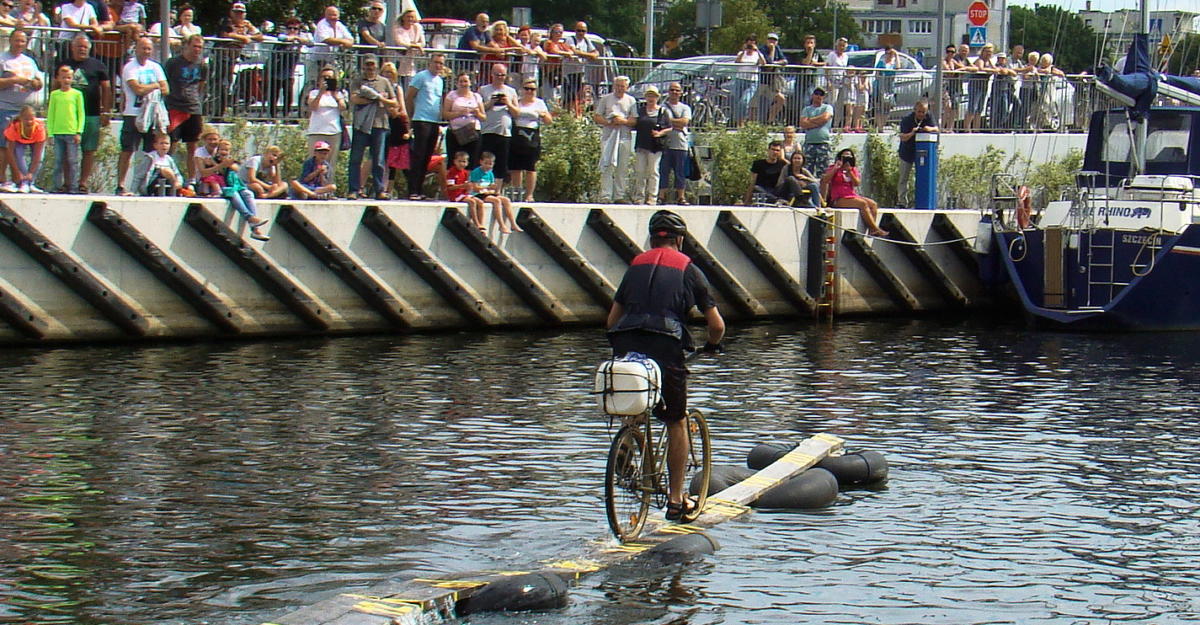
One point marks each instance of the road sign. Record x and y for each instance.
(977, 13)
(977, 35)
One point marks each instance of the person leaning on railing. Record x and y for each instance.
(236, 32)
(410, 38)
(79, 15)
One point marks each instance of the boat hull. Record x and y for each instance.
(1104, 280)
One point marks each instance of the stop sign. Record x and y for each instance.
(977, 13)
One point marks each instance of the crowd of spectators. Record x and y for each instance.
(374, 88)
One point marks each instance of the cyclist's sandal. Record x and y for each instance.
(676, 511)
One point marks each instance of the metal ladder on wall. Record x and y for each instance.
(828, 297)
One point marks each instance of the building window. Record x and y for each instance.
(1107, 22)
(920, 27)
(1088, 22)
(881, 27)
(884, 2)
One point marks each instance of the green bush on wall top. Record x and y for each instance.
(569, 170)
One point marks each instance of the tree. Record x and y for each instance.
(797, 18)
(740, 19)
(1050, 29)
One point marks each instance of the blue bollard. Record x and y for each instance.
(927, 148)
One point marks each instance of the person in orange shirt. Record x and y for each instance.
(27, 137)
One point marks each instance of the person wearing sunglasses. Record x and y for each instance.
(371, 29)
(526, 148)
(584, 55)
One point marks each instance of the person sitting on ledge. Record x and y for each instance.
(261, 174)
(841, 179)
(315, 181)
(766, 173)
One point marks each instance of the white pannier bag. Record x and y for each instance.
(629, 385)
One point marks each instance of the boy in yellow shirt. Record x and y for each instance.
(64, 122)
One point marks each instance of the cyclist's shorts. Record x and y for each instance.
(667, 351)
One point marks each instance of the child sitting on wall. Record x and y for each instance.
(458, 188)
(234, 190)
(155, 172)
(316, 176)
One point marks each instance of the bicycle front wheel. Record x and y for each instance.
(699, 468)
(626, 498)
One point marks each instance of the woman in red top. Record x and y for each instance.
(556, 49)
(841, 179)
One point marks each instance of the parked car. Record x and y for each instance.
(910, 82)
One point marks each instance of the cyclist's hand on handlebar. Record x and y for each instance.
(713, 348)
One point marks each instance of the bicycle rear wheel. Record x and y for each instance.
(699, 468)
(626, 499)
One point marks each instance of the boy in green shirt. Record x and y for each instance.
(64, 122)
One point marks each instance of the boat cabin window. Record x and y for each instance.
(1167, 138)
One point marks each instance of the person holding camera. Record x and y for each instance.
(501, 101)
(841, 180)
(745, 82)
(325, 106)
(464, 109)
(372, 96)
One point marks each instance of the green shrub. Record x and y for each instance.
(569, 170)
(882, 170)
(733, 153)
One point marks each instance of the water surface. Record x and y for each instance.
(1036, 477)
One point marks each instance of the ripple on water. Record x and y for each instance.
(1036, 478)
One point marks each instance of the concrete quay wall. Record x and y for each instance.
(111, 268)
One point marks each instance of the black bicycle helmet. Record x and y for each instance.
(665, 224)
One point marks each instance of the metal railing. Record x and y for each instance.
(270, 80)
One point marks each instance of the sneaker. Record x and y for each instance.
(258, 236)
(24, 188)
(8, 187)
(33, 188)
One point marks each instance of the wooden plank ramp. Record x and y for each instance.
(429, 600)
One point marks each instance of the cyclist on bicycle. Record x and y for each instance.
(648, 315)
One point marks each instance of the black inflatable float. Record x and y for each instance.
(682, 548)
(814, 488)
(851, 469)
(517, 593)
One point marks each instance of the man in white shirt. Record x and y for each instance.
(330, 33)
(835, 69)
(20, 80)
(675, 147)
(500, 102)
(78, 14)
(140, 77)
(616, 113)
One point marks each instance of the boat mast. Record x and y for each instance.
(1139, 141)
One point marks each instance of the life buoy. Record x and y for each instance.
(1024, 207)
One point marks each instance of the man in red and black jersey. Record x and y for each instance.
(649, 315)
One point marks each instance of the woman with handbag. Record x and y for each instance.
(527, 138)
(463, 108)
(326, 104)
(650, 127)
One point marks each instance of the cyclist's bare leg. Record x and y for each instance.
(677, 458)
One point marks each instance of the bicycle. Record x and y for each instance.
(636, 473)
